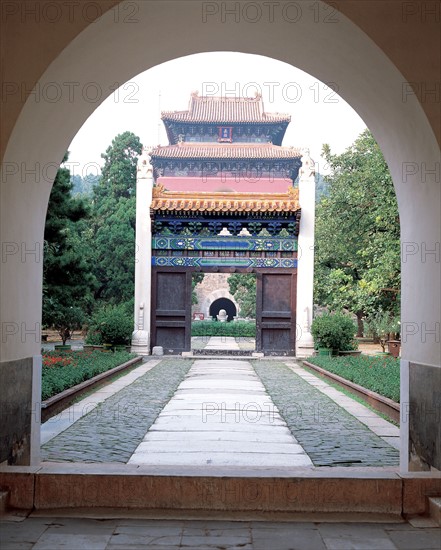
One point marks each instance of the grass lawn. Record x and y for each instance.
(380, 374)
(64, 369)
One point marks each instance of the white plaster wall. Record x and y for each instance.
(110, 51)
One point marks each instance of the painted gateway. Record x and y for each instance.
(222, 199)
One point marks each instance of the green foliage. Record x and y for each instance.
(113, 238)
(381, 326)
(237, 329)
(93, 337)
(321, 187)
(357, 254)
(62, 370)
(243, 288)
(334, 331)
(113, 324)
(196, 278)
(379, 374)
(67, 278)
(84, 186)
(64, 319)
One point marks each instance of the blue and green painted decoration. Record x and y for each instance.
(225, 243)
(201, 262)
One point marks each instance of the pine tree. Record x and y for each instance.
(67, 278)
(114, 199)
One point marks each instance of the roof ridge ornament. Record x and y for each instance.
(158, 191)
(307, 170)
(144, 168)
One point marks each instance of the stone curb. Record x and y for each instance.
(375, 400)
(52, 406)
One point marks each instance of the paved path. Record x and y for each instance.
(222, 342)
(383, 428)
(44, 533)
(330, 435)
(114, 428)
(220, 415)
(69, 416)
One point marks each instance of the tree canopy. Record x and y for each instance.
(357, 252)
(67, 278)
(243, 288)
(114, 208)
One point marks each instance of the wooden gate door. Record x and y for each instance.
(276, 312)
(171, 309)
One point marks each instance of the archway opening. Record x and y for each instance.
(390, 117)
(223, 304)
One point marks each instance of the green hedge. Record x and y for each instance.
(62, 370)
(110, 325)
(334, 331)
(237, 329)
(377, 373)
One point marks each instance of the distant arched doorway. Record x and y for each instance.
(223, 303)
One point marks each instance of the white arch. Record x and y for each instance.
(215, 295)
(110, 51)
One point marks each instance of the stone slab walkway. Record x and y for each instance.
(221, 415)
(44, 533)
(222, 342)
(219, 412)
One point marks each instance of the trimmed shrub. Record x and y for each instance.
(111, 325)
(335, 331)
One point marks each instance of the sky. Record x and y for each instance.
(318, 114)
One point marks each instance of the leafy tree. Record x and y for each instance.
(196, 278)
(114, 200)
(243, 288)
(357, 255)
(67, 278)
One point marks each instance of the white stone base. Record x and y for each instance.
(304, 351)
(140, 342)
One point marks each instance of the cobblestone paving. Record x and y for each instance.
(330, 435)
(112, 431)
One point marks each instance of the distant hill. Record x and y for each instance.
(84, 186)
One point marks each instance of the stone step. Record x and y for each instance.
(222, 491)
(435, 509)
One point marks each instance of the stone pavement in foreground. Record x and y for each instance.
(44, 533)
(222, 412)
(221, 415)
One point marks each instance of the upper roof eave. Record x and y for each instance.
(225, 110)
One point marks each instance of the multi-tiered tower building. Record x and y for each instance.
(222, 199)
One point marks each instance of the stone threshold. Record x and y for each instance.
(371, 491)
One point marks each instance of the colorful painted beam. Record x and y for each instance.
(195, 261)
(225, 243)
